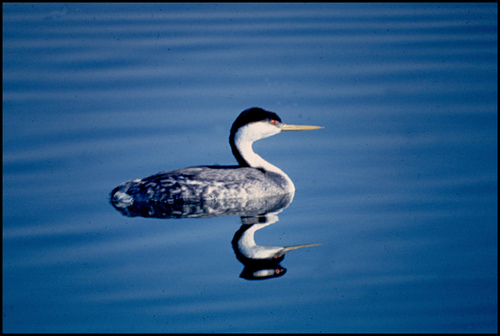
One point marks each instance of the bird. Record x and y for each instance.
(253, 177)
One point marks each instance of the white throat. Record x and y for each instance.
(244, 139)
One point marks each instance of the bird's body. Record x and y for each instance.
(202, 183)
(253, 177)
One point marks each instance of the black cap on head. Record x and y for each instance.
(250, 115)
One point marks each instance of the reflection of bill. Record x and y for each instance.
(261, 262)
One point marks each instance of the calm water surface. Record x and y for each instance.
(400, 186)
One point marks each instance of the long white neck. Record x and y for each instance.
(243, 141)
(253, 159)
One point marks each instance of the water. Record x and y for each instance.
(400, 186)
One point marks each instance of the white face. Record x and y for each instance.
(257, 130)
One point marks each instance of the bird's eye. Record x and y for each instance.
(273, 122)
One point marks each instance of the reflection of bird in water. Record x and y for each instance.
(261, 262)
(253, 177)
(208, 209)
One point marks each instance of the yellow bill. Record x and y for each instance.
(289, 127)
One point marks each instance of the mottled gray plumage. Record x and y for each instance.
(207, 183)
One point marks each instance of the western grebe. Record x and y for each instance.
(253, 177)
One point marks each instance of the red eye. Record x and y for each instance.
(273, 122)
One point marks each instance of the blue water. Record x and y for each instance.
(400, 186)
